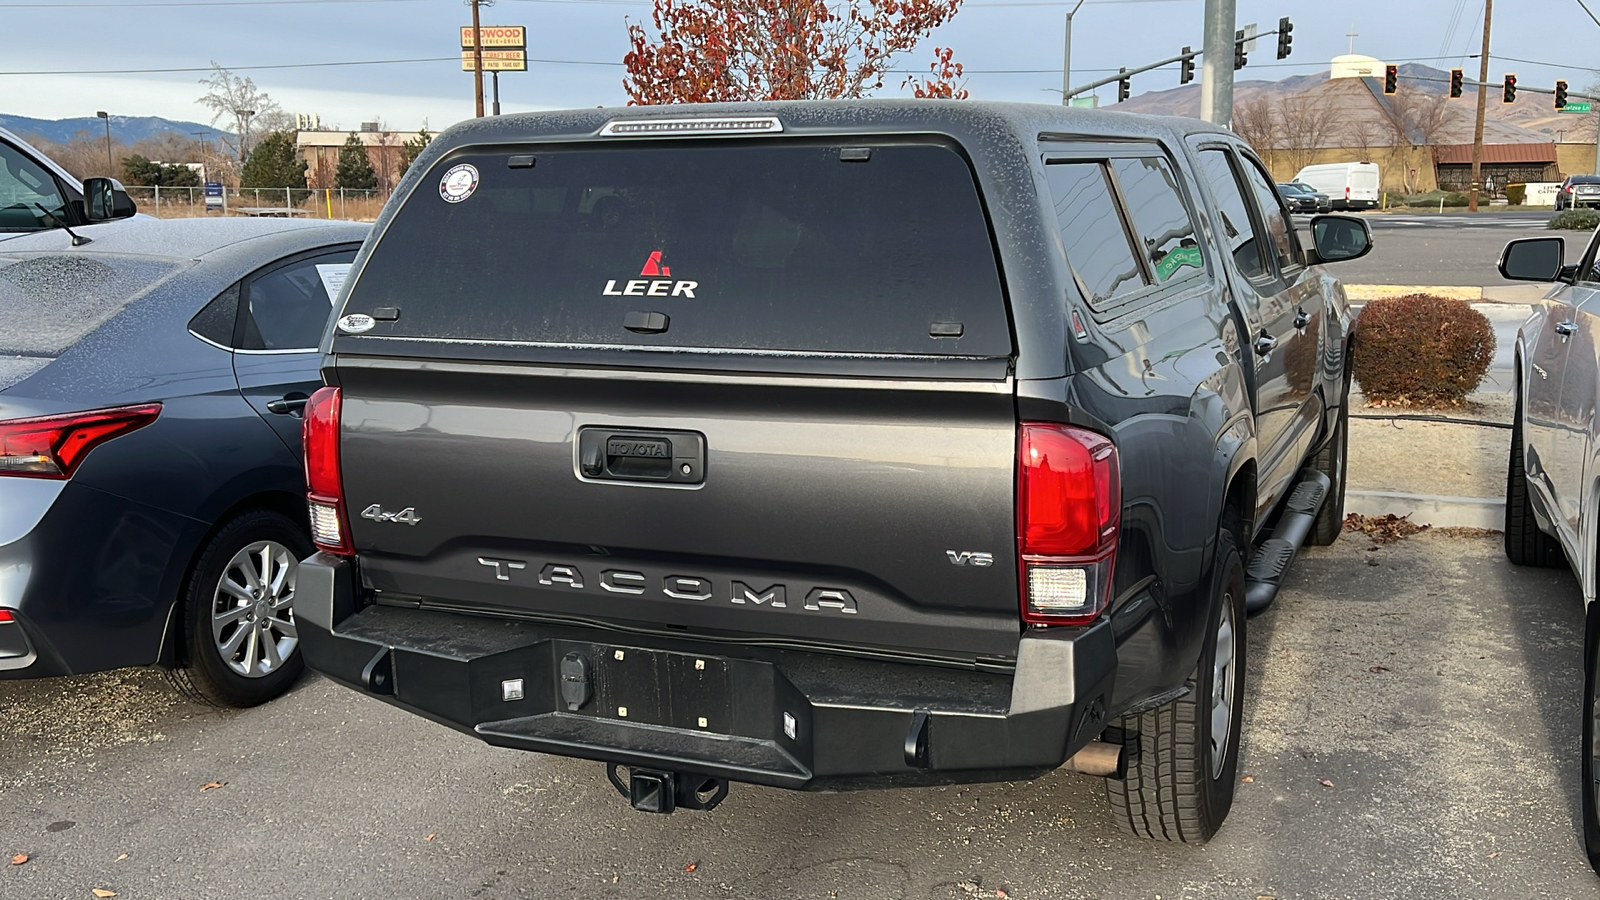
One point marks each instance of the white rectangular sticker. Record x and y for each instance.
(333, 275)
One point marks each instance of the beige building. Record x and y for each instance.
(320, 150)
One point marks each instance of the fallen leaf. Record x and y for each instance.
(1248, 779)
(19, 859)
(1326, 783)
(1376, 669)
(433, 835)
(211, 786)
(616, 877)
(1001, 892)
(122, 857)
(1494, 854)
(103, 893)
(691, 867)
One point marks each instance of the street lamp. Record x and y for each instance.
(1066, 60)
(111, 169)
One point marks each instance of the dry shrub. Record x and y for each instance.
(1421, 350)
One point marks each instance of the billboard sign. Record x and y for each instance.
(497, 60)
(213, 195)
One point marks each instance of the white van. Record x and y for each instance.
(1348, 185)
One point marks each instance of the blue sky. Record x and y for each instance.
(1012, 47)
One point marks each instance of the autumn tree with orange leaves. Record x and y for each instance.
(708, 51)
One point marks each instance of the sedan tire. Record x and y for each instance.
(1590, 767)
(240, 641)
(1526, 545)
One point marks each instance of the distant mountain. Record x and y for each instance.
(126, 129)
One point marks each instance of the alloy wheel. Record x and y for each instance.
(1223, 676)
(252, 609)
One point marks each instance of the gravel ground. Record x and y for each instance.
(1430, 685)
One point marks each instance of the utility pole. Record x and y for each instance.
(1483, 99)
(477, 55)
(205, 161)
(1066, 60)
(1216, 66)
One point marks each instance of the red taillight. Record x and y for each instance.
(1347, 192)
(6, 616)
(330, 527)
(1069, 507)
(54, 446)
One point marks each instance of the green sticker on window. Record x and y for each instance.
(1177, 259)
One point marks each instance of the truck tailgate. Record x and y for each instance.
(846, 512)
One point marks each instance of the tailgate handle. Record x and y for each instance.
(632, 455)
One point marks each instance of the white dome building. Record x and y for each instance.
(1354, 65)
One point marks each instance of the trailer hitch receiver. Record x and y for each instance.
(655, 791)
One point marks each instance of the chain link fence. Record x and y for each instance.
(331, 203)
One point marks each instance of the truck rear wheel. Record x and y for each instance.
(1181, 757)
(1526, 545)
(1332, 462)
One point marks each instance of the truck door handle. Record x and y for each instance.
(1301, 318)
(291, 405)
(1566, 329)
(1265, 344)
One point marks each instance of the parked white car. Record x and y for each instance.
(1350, 185)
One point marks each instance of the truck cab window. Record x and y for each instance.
(24, 187)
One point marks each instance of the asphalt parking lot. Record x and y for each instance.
(1412, 731)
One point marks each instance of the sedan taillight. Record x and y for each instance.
(1069, 509)
(54, 446)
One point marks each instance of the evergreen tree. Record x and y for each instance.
(140, 171)
(410, 150)
(274, 164)
(355, 166)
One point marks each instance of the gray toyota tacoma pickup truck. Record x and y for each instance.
(829, 445)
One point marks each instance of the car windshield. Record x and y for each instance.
(1294, 189)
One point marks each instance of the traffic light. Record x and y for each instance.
(1508, 91)
(1122, 89)
(1561, 95)
(1455, 83)
(1239, 59)
(1186, 67)
(1285, 37)
(1391, 79)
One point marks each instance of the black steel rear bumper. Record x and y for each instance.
(781, 717)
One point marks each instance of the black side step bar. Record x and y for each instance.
(1265, 573)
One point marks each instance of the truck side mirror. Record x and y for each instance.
(104, 200)
(1533, 259)
(1340, 238)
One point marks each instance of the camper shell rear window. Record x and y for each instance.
(875, 246)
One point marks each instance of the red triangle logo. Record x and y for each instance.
(653, 266)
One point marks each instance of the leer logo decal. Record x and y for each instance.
(655, 281)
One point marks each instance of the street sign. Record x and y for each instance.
(1090, 102)
(504, 37)
(213, 195)
(1578, 106)
(497, 60)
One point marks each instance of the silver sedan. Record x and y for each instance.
(1553, 479)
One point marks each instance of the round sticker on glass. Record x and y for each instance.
(458, 183)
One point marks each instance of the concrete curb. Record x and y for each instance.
(1500, 293)
(1429, 509)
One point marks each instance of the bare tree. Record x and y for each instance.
(237, 100)
(1306, 125)
(1415, 120)
(1257, 121)
(1362, 133)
